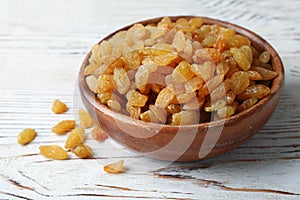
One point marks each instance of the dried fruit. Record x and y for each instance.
(161, 72)
(226, 111)
(76, 137)
(173, 108)
(165, 59)
(222, 68)
(133, 111)
(115, 168)
(54, 152)
(179, 41)
(164, 98)
(26, 136)
(204, 71)
(106, 83)
(247, 104)
(254, 76)
(185, 117)
(149, 116)
(98, 134)
(246, 50)
(63, 127)
(92, 82)
(85, 119)
(240, 58)
(196, 22)
(159, 113)
(264, 57)
(133, 58)
(59, 107)
(214, 106)
(210, 85)
(186, 97)
(141, 77)
(194, 84)
(136, 99)
(237, 41)
(121, 79)
(230, 97)
(114, 105)
(239, 82)
(195, 104)
(104, 97)
(182, 72)
(82, 151)
(265, 73)
(256, 91)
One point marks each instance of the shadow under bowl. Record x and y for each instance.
(187, 142)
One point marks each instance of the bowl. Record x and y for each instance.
(187, 142)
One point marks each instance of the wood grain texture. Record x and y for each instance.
(42, 45)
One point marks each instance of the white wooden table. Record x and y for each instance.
(42, 45)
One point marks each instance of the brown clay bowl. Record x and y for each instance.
(187, 142)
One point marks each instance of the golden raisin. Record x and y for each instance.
(121, 79)
(237, 41)
(164, 98)
(185, 117)
(106, 83)
(85, 118)
(92, 82)
(114, 105)
(133, 58)
(194, 84)
(264, 57)
(247, 104)
(265, 73)
(82, 151)
(26, 136)
(226, 111)
(104, 97)
(173, 108)
(136, 99)
(178, 66)
(196, 22)
(239, 82)
(204, 71)
(54, 152)
(141, 77)
(241, 59)
(133, 111)
(256, 91)
(254, 75)
(195, 104)
(76, 137)
(149, 116)
(182, 72)
(179, 41)
(59, 107)
(63, 127)
(115, 168)
(214, 106)
(159, 112)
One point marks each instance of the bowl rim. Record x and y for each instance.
(276, 85)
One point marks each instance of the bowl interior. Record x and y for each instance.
(257, 41)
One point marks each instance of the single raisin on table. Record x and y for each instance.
(59, 107)
(63, 127)
(26, 136)
(54, 152)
